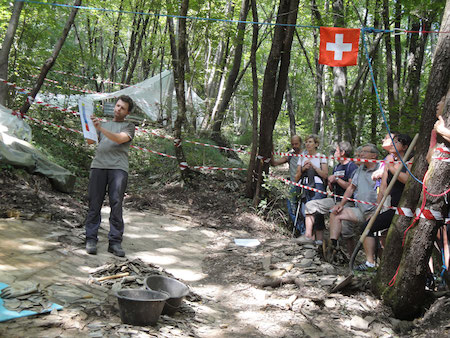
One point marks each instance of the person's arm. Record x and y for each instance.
(279, 161)
(348, 193)
(119, 138)
(441, 129)
(298, 174)
(392, 168)
(322, 171)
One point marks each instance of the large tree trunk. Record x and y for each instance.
(274, 83)
(251, 166)
(6, 47)
(232, 76)
(51, 60)
(179, 57)
(407, 295)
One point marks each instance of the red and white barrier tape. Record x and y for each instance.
(93, 78)
(184, 165)
(426, 213)
(72, 87)
(132, 146)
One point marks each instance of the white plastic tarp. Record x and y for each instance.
(149, 95)
(156, 97)
(16, 151)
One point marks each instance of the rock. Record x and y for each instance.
(359, 323)
(266, 262)
(330, 303)
(305, 263)
(275, 273)
(309, 253)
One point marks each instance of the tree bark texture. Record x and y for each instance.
(407, 295)
(51, 60)
(290, 109)
(251, 177)
(275, 77)
(232, 76)
(179, 56)
(6, 47)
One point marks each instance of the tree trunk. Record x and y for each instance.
(112, 71)
(407, 295)
(410, 101)
(51, 60)
(290, 109)
(179, 56)
(375, 60)
(6, 47)
(392, 104)
(229, 88)
(275, 77)
(251, 177)
(318, 107)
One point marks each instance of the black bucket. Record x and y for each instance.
(174, 288)
(140, 307)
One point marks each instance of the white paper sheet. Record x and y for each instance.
(86, 109)
(248, 242)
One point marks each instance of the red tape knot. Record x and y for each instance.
(183, 166)
(177, 142)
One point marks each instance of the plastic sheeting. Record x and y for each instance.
(16, 151)
(155, 96)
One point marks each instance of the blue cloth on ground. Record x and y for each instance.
(6, 314)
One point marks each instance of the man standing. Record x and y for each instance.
(363, 188)
(292, 201)
(109, 171)
(338, 183)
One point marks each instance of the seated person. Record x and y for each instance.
(338, 183)
(389, 147)
(296, 143)
(363, 188)
(312, 172)
(383, 220)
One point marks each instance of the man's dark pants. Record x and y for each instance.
(115, 180)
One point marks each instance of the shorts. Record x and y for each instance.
(350, 228)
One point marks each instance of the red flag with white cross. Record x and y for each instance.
(339, 46)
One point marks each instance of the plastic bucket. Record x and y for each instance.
(140, 307)
(174, 288)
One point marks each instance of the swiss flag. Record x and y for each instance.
(339, 46)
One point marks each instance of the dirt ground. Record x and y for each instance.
(188, 234)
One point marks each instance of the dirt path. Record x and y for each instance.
(228, 298)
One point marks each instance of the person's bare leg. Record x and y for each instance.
(335, 226)
(369, 249)
(309, 223)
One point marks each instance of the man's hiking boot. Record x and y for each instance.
(116, 249)
(91, 247)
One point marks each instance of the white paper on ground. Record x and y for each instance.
(249, 242)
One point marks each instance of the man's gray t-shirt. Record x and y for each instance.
(109, 154)
(365, 188)
(293, 163)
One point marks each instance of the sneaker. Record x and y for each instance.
(303, 240)
(365, 268)
(91, 247)
(116, 249)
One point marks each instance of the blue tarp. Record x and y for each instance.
(6, 314)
